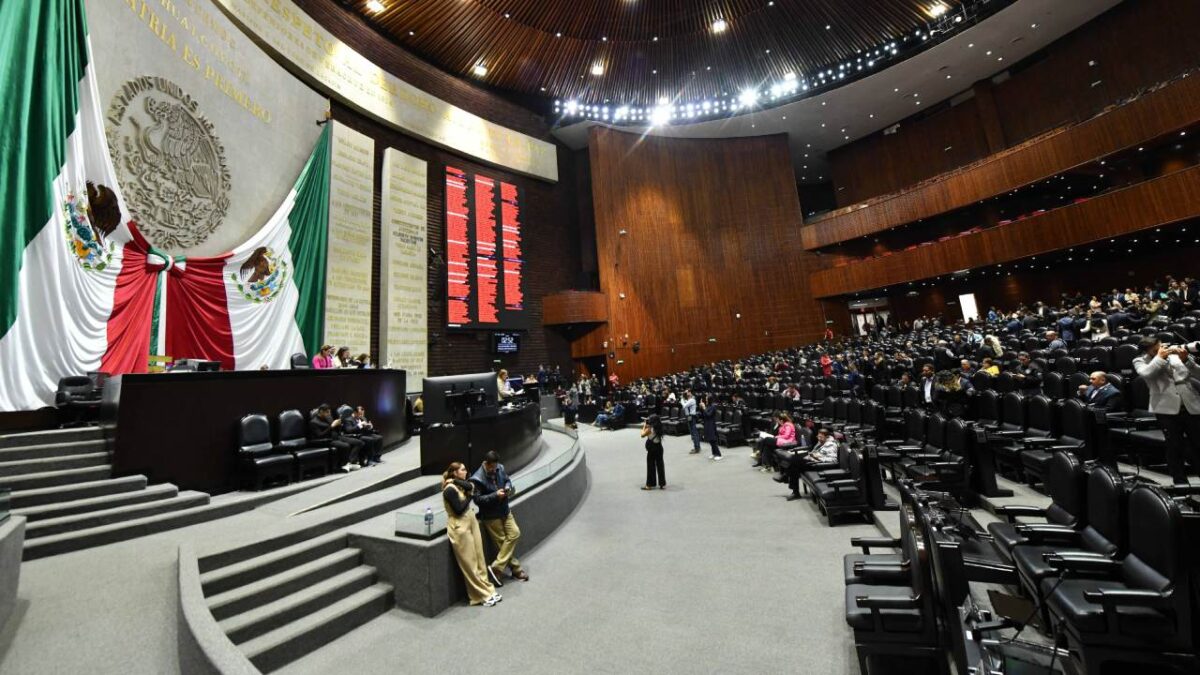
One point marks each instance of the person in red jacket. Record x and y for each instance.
(826, 365)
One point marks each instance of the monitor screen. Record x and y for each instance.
(485, 264)
(436, 390)
(506, 343)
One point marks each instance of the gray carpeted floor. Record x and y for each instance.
(717, 574)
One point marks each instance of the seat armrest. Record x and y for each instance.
(943, 466)
(1012, 512)
(1110, 598)
(865, 543)
(887, 602)
(925, 456)
(1007, 433)
(1039, 441)
(832, 474)
(837, 485)
(1180, 489)
(892, 443)
(1070, 563)
(883, 574)
(909, 448)
(1045, 532)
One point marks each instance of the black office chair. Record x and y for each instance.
(1140, 613)
(312, 459)
(77, 400)
(1066, 483)
(262, 462)
(300, 362)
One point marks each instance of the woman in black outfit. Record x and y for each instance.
(708, 412)
(655, 471)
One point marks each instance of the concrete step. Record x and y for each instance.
(24, 467)
(229, 577)
(70, 508)
(75, 491)
(129, 529)
(262, 620)
(49, 436)
(291, 641)
(117, 514)
(51, 450)
(44, 479)
(276, 586)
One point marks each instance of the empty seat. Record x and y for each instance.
(263, 464)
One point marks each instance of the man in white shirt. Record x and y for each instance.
(1167, 372)
(689, 411)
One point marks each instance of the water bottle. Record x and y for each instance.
(428, 520)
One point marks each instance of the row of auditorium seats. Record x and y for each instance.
(290, 457)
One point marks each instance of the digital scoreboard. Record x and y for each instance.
(484, 258)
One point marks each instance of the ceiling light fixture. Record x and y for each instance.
(375, 6)
(480, 70)
(719, 26)
(598, 69)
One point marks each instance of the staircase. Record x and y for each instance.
(61, 481)
(281, 604)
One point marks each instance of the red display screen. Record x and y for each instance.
(484, 259)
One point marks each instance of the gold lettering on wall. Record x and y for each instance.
(403, 340)
(348, 277)
(283, 29)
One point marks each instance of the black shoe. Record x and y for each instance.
(756, 465)
(779, 479)
(794, 496)
(495, 577)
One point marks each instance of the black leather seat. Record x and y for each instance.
(1143, 611)
(1074, 434)
(77, 400)
(1103, 536)
(312, 459)
(949, 468)
(262, 462)
(836, 496)
(300, 362)
(1066, 483)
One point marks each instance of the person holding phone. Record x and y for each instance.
(656, 473)
(462, 529)
(1168, 371)
(493, 494)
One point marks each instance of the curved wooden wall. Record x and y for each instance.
(1160, 112)
(1160, 201)
(710, 250)
(567, 307)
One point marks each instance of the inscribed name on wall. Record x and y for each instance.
(404, 311)
(207, 131)
(348, 272)
(282, 27)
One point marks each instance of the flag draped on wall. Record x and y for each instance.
(80, 288)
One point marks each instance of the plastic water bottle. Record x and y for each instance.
(428, 520)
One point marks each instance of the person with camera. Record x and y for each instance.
(656, 473)
(493, 494)
(462, 528)
(1168, 371)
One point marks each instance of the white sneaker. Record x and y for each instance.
(354, 467)
(491, 601)
(718, 458)
(346, 468)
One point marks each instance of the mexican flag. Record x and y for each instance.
(64, 219)
(81, 289)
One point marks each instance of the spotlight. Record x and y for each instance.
(719, 26)
(660, 116)
(375, 6)
(748, 97)
(480, 70)
(598, 69)
(572, 107)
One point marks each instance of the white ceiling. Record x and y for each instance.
(882, 99)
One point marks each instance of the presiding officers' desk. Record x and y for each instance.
(515, 434)
(182, 428)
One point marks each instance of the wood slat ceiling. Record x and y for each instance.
(518, 41)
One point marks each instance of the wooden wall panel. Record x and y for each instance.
(921, 148)
(1156, 202)
(567, 307)
(711, 232)
(1166, 110)
(1136, 44)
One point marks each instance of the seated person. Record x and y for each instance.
(783, 438)
(324, 358)
(503, 391)
(613, 415)
(1100, 393)
(358, 426)
(988, 366)
(322, 428)
(825, 450)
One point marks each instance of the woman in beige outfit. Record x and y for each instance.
(463, 530)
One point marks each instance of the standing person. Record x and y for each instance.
(708, 411)
(493, 492)
(656, 472)
(463, 531)
(1167, 372)
(503, 390)
(690, 412)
